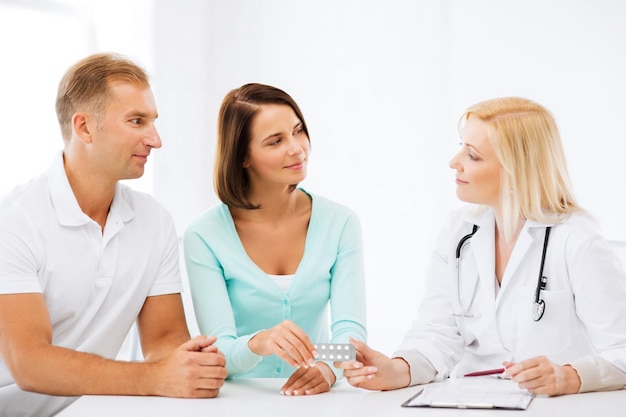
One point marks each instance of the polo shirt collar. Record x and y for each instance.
(66, 207)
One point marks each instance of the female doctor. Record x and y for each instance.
(537, 292)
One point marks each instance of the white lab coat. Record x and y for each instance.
(584, 323)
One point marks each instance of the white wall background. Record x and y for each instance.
(381, 83)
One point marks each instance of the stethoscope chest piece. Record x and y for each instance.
(538, 309)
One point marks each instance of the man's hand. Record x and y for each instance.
(196, 369)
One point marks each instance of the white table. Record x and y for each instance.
(261, 397)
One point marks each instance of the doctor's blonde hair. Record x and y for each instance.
(535, 180)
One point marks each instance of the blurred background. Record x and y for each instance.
(381, 83)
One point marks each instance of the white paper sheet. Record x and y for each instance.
(475, 392)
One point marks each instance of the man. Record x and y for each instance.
(82, 257)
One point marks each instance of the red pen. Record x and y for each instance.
(487, 372)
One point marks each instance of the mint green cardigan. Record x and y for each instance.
(234, 299)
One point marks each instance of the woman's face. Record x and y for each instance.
(279, 148)
(478, 170)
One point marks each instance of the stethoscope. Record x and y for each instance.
(539, 305)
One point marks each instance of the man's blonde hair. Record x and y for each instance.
(85, 86)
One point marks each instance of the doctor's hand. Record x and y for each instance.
(287, 341)
(540, 376)
(374, 370)
(308, 381)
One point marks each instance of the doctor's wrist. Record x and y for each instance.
(572, 381)
(401, 372)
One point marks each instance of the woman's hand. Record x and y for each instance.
(373, 370)
(540, 376)
(308, 381)
(287, 341)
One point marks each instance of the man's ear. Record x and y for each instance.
(80, 125)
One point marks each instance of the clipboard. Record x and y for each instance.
(478, 392)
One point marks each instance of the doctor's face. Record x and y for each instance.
(478, 170)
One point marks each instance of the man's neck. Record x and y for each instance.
(94, 194)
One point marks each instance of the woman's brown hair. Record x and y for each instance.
(235, 119)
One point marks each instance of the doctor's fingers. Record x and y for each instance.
(363, 372)
(543, 384)
(348, 365)
(513, 369)
(532, 374)
(550, 379)
(365, 380)
(364, 353)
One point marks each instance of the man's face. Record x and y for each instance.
(124, 135)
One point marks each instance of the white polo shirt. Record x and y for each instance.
(94, 283)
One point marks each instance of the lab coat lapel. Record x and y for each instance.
(483, 251)
(527, 238)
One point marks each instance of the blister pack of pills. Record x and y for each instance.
(337, 352)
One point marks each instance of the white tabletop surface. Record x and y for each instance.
(261, 397)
